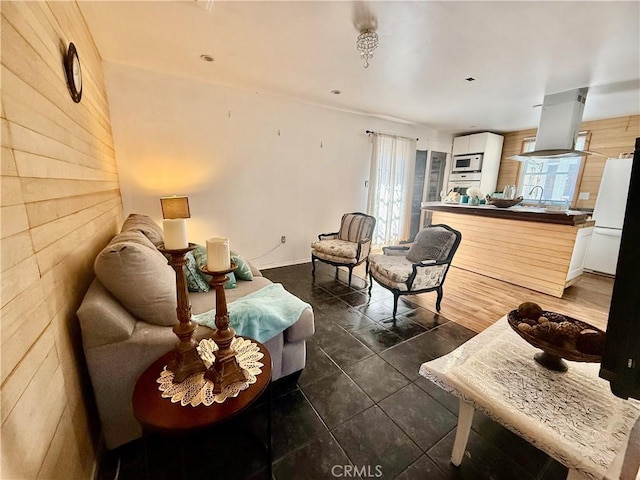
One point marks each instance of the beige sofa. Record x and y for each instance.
(126, 317)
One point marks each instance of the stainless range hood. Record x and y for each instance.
(559, 126)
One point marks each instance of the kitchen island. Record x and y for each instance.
(532, 247)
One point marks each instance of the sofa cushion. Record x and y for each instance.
(202, 302)
(394, 267)
(144, 224)
(335, 248)
(394, 271)
(261, 315)
(243, 270)
(103, 320)
(139, 277)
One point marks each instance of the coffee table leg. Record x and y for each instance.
(465, 418)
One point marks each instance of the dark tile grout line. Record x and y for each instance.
(411, 382)
(380, 322)
(434, 330)
(375, 403)
(274, 463)
(542, 472)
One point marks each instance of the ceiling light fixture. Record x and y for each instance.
(336, 92)
(470, 79)
(367, 42)
(206, 58)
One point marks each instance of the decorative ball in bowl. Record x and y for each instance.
(558, 336)
(503, 202)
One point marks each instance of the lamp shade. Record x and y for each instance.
(175, 207)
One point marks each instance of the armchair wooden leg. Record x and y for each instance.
(395, 304)
(350, 274)
(370, 282)
(439, 299)
(313, 266)
(366, 270)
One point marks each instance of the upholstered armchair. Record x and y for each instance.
(420, 268)
(349, 246)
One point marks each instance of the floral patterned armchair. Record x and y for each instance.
(420, 268)
(348, 247)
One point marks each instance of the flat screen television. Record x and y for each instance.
(621, 360)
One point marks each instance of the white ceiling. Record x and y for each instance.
(516, 51)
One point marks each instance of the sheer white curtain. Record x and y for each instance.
(392, 164)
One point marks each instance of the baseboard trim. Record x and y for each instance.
(284, 264)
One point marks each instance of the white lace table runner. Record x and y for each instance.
(197, 390)
(573, 416)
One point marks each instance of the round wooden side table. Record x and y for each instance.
(159, 415)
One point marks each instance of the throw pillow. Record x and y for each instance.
(139, 277)
(243, 270)
(232, 283)
(200, 256)
(144, 224)
(195, 279)
(433, 243)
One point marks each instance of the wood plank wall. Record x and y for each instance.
(529, 254)
(610, 137)
(60, 205)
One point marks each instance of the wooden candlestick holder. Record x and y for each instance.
(225, 370)
(187, 361)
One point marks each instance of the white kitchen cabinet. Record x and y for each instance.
(460, 145)
(578, 257)
(491, 162)
(490, 145)
(474, 143)
(478, 142)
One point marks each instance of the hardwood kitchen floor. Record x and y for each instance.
(476, 301)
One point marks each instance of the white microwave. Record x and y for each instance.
(466, 163)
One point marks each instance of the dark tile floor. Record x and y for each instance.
(358, 410)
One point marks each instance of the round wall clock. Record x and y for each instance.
(74, 74)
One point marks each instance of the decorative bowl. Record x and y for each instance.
(558, 343)
(503, 202)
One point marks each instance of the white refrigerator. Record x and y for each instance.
(602, 255)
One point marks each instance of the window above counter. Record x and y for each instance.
(557, 177)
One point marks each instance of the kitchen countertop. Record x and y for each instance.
(528, 214)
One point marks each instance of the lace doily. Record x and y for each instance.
(197, 390)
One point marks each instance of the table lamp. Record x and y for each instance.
(175, 211)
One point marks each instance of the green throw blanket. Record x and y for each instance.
(261, 315)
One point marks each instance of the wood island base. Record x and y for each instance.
(541, 256)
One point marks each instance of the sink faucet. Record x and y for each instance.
(541, 193)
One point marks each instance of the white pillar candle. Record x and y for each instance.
(218, 258)
(175, 233)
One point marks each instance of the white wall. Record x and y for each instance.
(254, 166)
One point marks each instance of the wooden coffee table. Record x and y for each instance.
(159, 415)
